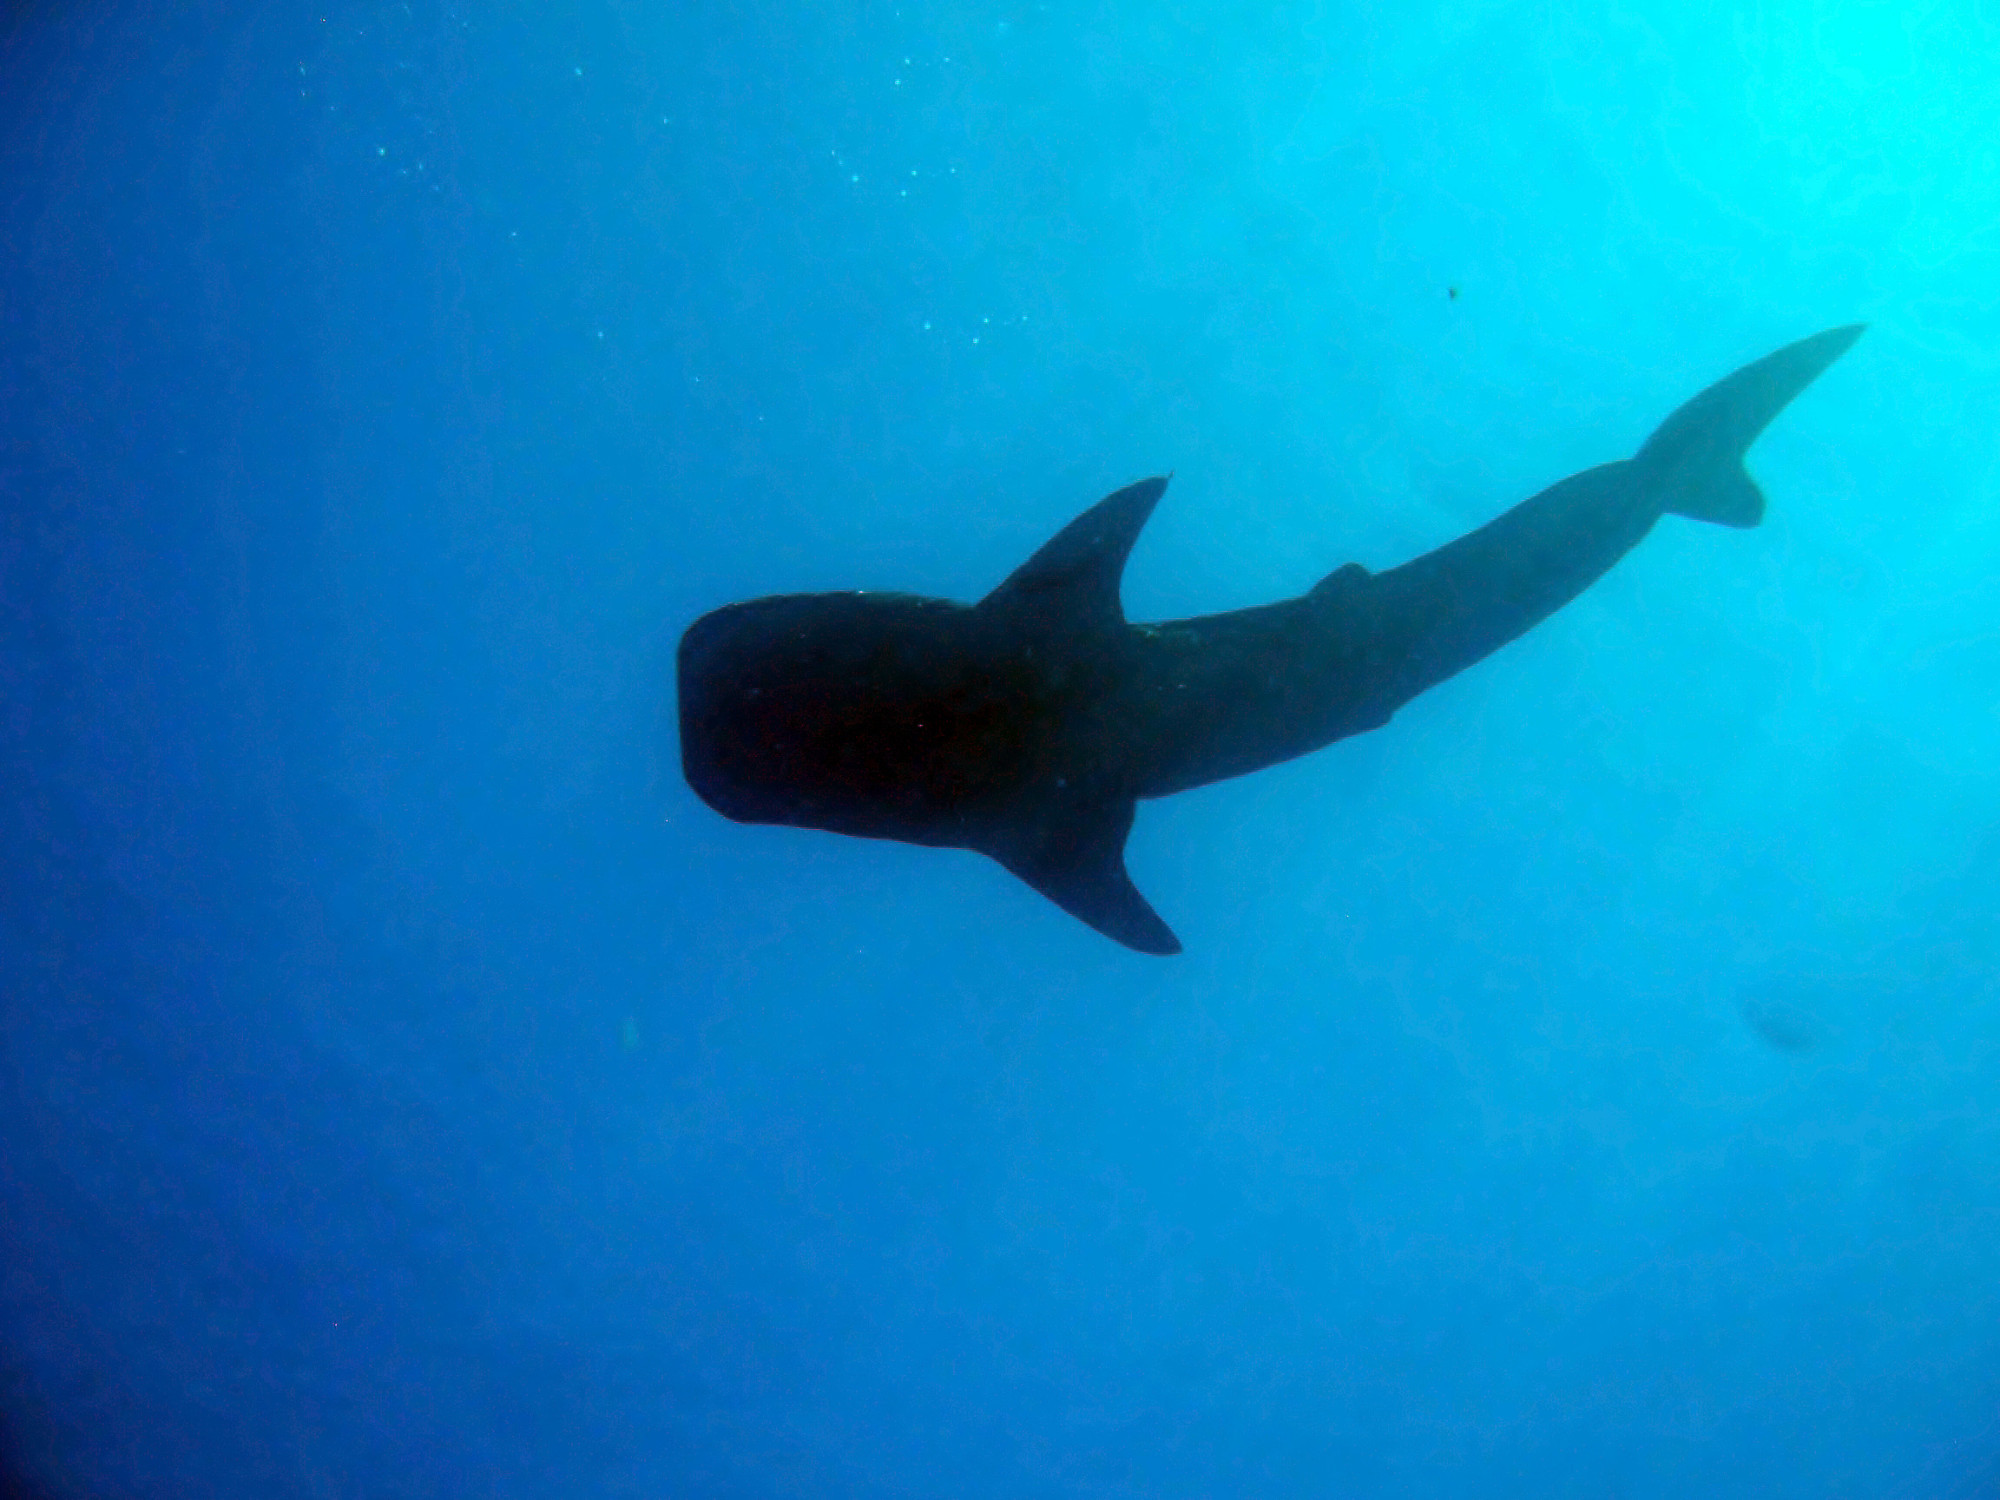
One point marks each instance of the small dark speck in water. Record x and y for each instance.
(1784, 1025)
(1451, 292)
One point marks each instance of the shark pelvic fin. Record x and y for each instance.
(1072, 582)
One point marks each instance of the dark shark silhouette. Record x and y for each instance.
(1029, 725)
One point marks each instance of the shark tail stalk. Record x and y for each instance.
(1696, 455)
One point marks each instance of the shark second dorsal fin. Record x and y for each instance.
(1073, 580)
(1077, 859)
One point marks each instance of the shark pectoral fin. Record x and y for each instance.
(1071, 583)
(1103, 895)
(1080, 865)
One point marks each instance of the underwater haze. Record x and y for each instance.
(1586, 1086)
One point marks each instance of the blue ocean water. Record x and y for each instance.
(1583, 1087)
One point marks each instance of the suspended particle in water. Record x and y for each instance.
(1782, 1022)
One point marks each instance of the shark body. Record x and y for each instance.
(1028, 726)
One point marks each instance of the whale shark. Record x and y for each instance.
(1029, 726)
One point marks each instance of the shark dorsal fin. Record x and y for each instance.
(1073, 580)
(1076, 857)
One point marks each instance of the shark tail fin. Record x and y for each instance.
(1696, 455)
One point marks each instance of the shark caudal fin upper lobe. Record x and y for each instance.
(1696, 455)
